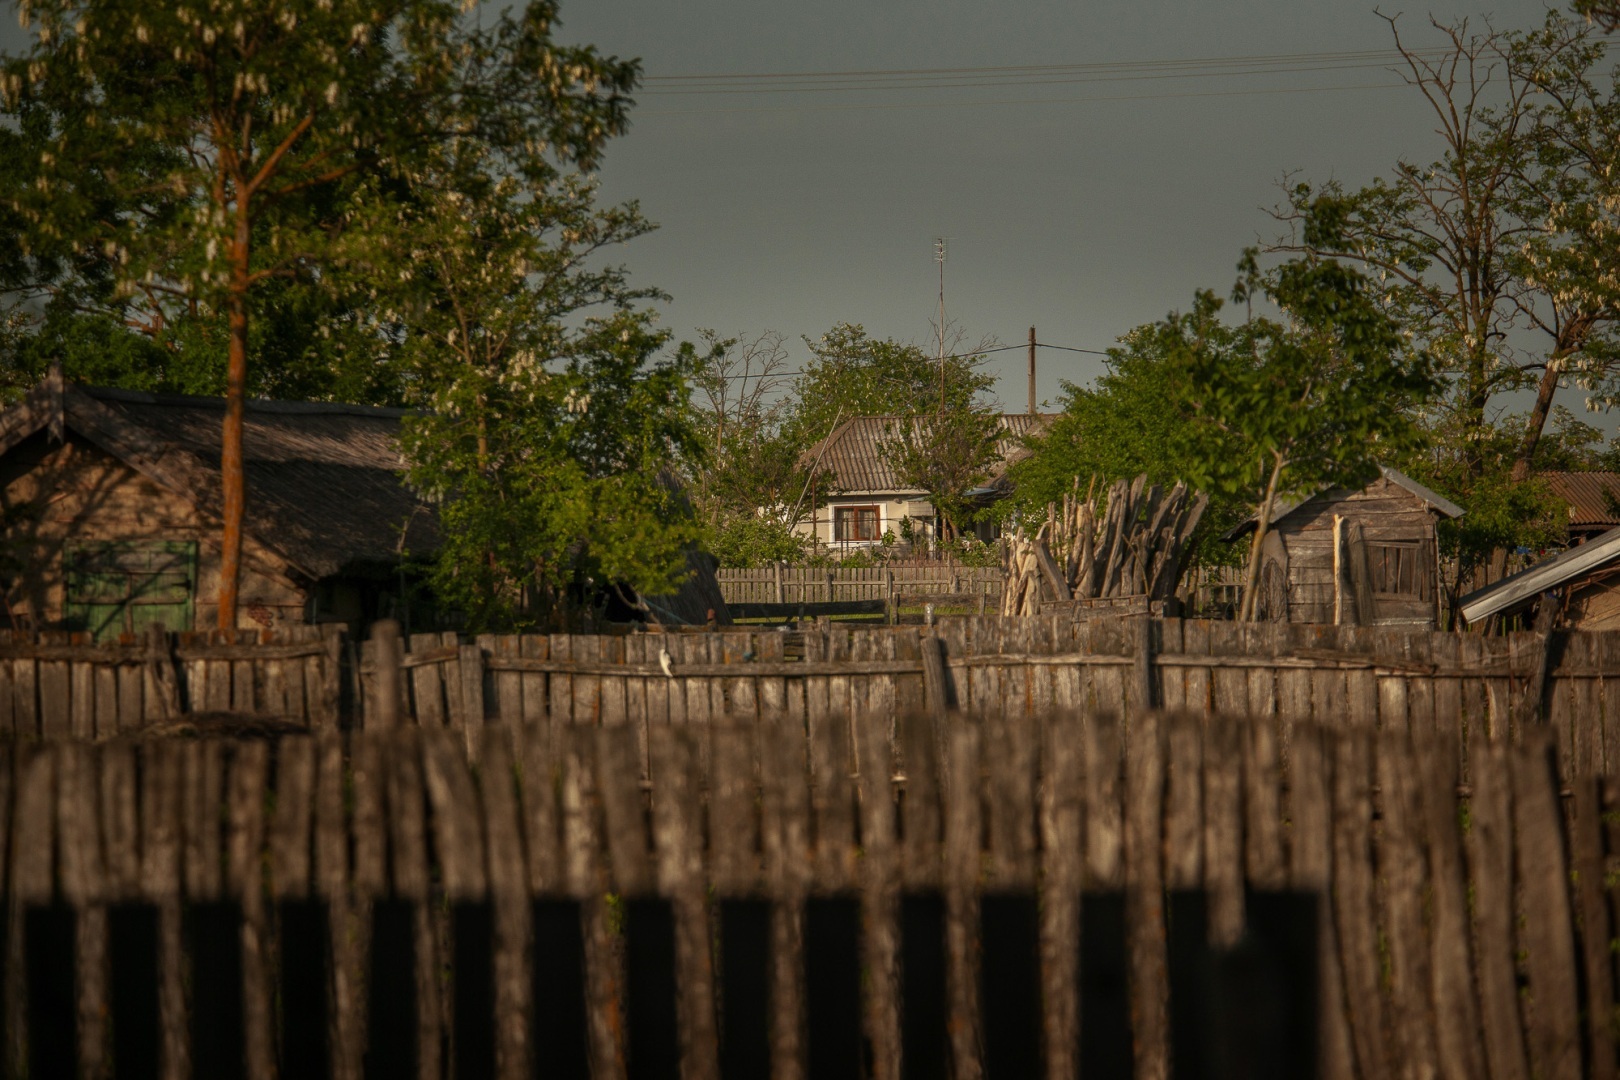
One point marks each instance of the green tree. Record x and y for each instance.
(1319, 397)
(165, 159)
(1134, 420)
(947, 455)
(549, 431)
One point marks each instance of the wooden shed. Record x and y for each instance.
(1366, 556)
(110, 510)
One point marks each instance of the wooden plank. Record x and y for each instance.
(785, 817)
(561, 686)
(587, 688)
(1353, 901)
(407, 829)
(1061, 811)
(1310, 851)
(1262, 806)
(540, 778)
(880, 898)
(1144, 900)
(615, 689)
(55, 717)
(587, 880)
(922, 854)
(244, 848)
(130, 709)
(427, 684)
(509, 685)
(292, 823)
(1401, 888)
(1229, 688)
(677, 829)
(82, 700)
(1580, 698)
(620, 793)
(470, 677)
(105, 693)
(1586, 855)
(1184, 796)
(509, 896)
(1196, 680)
(1010, 754)
(370, 786)
(120, 819)
(832, 792)
(331, 878)
(1458, 1040)
(962, 860)
(733, 821)
(203, 776)
(1104, 818)
(1490, 865)
(458, 836)
(1546, 930)
(1223, 828)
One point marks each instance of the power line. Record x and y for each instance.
(935, 359)
(1010, 74)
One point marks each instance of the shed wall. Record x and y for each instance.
(52, 494)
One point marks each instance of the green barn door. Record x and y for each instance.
(126, 586)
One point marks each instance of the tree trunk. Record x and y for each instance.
(232, 480)
(1538, 418)
(1251, 576)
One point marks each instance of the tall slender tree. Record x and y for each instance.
(164, 157)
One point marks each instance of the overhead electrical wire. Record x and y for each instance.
(1019, 75)
(935, 359)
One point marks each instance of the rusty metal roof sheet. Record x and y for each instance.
(1593, 497)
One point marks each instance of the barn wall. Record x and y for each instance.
(53, 493)
(1388, 513)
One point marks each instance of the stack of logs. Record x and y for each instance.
(1134, 549)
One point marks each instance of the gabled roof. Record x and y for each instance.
(1438, 503)
(1527, 584)
(853, 454)
(1593, 497)
(325, 485)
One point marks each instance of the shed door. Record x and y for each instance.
(123, 587)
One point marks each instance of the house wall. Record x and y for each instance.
(1388, 513)
(892, 507)
(55, 493)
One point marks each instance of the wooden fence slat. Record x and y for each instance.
(624, 821)
(1061, 813)
(880, 899)
(1401, 892)
(1105, 825)
(509, 895)
(584, 857)
(1458, 1039)
(962, 861)
(677, 828)
(785, 817)
(1262, 805)
(25, 716)
(1010, 752)
(203, 776)
(733, 824)
(1223, 829)
(1353, 901)
(540, 775)
(427, 683)
(244, 846)
(1184, 798)
(1552, 1012)
(1144, 900)
(560, 685)
(536, 696)
(832, 796)
(1490, 865)
(1597, 972)
(922, 834)
(458, 838)
(290, 827)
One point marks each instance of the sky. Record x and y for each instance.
(1077, 205)
(1088, 186)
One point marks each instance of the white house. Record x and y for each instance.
(867, 497)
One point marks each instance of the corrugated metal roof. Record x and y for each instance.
(1526, 585)
(1593, 497)
(853, 453)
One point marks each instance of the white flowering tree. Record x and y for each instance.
(550, 434)
(180, 157)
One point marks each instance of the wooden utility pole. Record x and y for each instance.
(1032, 371)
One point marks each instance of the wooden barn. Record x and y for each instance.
(110, 509)
(1366, 556)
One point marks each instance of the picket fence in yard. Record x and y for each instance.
(809, 584)
(839, 894)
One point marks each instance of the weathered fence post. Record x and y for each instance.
(383, 710)
(890, 607)
(160, 666)
(781, 596)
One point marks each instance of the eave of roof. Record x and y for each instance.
(1531, 582)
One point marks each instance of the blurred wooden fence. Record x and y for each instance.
(1013, 898)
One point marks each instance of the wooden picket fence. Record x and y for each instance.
(60, 685)
(840, 895)
(1461, 685)
(782, 584)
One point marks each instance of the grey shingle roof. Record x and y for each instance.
(853, 453)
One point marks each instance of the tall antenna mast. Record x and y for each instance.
(939, 257)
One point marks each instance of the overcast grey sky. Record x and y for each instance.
(1081, 207)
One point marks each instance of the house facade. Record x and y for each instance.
(868, 499)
